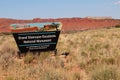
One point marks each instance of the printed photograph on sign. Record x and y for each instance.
(36, 27)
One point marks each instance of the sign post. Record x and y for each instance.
(36, 37)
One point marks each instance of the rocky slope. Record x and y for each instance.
(69, 24)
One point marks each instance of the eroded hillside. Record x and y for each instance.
(69, 24)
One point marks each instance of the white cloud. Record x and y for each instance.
(117, 3)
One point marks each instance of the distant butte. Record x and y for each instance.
(69, 24)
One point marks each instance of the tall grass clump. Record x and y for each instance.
(105, 74)
(8, 45)
(6, 60)
(28, 58)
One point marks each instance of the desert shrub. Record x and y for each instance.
(106, 46)
(2, 39)
(6, 59)
(10, 78)
(76, 76)
(31, 72)
(52, 75)
(6, 47)
(117, 26)
(28, 58)
(108, 60)
(83, 53)
(82, 65)
(105, 74)
(6, 33)
(56, 63)
(43, 55)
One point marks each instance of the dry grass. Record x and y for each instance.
(94, 55)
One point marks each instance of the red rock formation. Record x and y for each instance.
(36, 20)
(69, 24)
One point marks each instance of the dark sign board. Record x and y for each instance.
(36, 41)
(42, 38)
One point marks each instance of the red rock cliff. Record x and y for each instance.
(69, 24)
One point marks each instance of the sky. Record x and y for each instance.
(29, 9)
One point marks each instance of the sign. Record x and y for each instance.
(36, 36)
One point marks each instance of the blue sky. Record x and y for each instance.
(29, 9)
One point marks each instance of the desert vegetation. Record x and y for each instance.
(93, 55)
